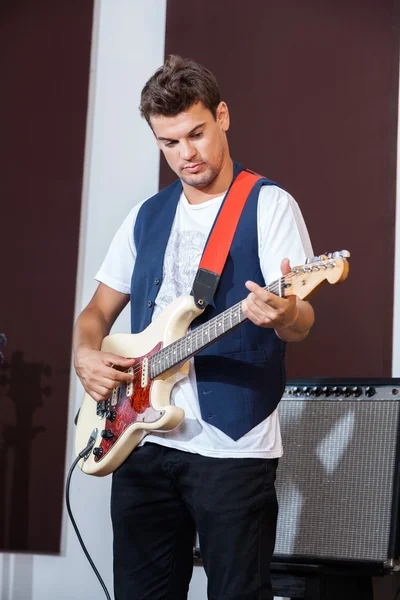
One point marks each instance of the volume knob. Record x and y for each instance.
(337, 390)
(107, 434)
(111, 415)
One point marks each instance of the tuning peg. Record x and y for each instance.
(341, 254)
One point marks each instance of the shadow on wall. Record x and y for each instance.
(24, 388)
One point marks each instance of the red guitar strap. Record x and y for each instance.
(220, 240)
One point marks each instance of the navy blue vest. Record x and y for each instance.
(241, 377)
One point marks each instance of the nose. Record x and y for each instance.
(187, 151)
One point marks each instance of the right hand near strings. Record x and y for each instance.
(96, 371)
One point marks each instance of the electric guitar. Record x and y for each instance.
(162, 351)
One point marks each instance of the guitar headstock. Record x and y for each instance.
(304, 280)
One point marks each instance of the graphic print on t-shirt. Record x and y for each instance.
(181, 260)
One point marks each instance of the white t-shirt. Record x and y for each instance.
(281, 233)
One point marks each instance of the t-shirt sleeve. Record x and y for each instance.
(116, 270)
(282, 232)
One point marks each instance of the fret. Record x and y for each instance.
(213, 329)
(235, 315)
(178, 351)
(206, 332)
(196, 339)
(187, 345)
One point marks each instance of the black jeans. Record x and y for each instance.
(160, 496)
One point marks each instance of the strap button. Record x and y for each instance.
(150, 303)
(157, 282)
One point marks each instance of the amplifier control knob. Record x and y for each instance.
(357, 391)
(326, 391)
(336, 390)
(370, 391)
(346, 391)
(107, 434)
(305, 391)
(316, 391)
(295, 390)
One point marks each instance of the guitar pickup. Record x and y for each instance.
(114, 396)
(145, 372)
(129, 387)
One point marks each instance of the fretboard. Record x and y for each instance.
(203, 336)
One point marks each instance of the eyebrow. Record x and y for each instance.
(163, 139)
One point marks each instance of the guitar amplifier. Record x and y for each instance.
(338, 481)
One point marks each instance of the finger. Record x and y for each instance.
(261, 296)
(99, 393)
(254, 287)
(285, 266)
(255, 314)
(117, 376)
(115, 359)
(272, 313)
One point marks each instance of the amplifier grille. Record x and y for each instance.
(335, 481)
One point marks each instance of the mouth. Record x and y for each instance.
(193, 168)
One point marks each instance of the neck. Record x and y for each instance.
(206, 334)
(197, 195)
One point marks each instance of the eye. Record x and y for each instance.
(197, 135)
(170, 144)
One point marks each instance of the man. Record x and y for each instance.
(216, 471)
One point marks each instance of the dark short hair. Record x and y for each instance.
(177, 85)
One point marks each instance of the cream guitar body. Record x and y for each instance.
(144, 406)
(113, 428)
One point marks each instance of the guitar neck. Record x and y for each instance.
(203, 336)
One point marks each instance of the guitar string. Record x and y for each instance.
(274, 287)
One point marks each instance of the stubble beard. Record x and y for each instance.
(203, 180)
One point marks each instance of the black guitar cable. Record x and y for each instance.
(78, 458)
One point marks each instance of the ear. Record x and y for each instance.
(223, 116)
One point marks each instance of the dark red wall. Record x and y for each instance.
(312, 90)
(45, 57)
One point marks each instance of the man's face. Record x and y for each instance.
(194, 143)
